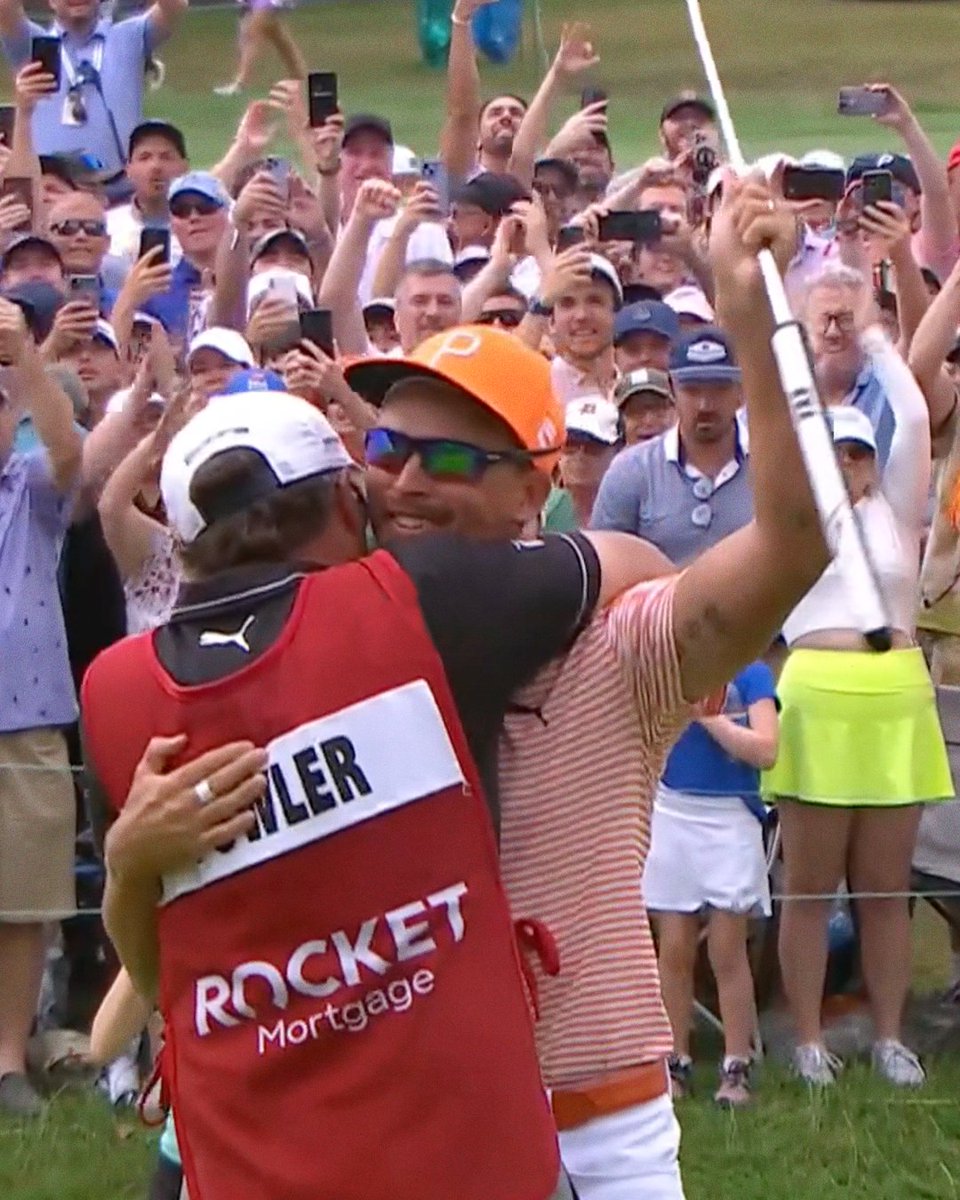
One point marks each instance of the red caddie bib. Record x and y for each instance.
(346, 1017)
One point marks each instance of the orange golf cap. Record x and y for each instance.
(492, 367)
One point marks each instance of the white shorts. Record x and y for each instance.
(629, 1155)
(705, 852)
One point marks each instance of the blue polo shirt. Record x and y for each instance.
(699, 765)
(172, 308)
(651, 491)
(870, 398)
(118, 51)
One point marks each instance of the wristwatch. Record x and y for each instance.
(538, 308)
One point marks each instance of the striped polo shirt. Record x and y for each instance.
(579, 763)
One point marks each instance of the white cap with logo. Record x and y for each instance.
(849, 424)
(594, 417)
(293, 439)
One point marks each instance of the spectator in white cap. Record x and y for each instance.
(214, 356)
(691, 306)
(406, 169)
(379, 320)
(645, 400)
(593, 438)
(96, 360)
(577, 306)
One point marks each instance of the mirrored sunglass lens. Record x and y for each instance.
(451, 458)
(385, 449)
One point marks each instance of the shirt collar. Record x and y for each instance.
(227, 587)
(99, 30)
(865, 379)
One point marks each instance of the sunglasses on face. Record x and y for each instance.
(187, 208)
(509, 318)
(70, 228)
(440, 458)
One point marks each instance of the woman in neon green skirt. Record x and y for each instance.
(860, 745)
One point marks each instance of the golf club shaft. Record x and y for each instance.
(796, 377)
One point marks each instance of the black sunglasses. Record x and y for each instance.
(509, 318)
(73, 226)
(200, 206)
(440, 458)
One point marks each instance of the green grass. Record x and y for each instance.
(782, 62)
(860, 1142)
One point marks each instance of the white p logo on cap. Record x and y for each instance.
(459, 343)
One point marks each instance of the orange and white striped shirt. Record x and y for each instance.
(577, 780)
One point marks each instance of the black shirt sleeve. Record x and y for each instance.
(497, 612)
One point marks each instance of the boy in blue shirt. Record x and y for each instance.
(707, 857)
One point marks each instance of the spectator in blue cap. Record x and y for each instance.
(643, 335)
(199, 213)
(688, 488)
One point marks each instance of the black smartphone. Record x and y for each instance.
(813, 183)
(877, 186)
(861, 102)
(570, 235)
(316, 325)
(322, 101)
(434, 172)
(629, 226)
(22, 187)
(7, 114)
(152, 236)
(592, 95)
(85, 289)
(46, 50)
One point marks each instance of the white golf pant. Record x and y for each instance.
(628, 1155)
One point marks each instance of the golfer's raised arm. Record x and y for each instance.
(730, 603)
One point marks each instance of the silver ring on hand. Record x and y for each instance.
(204, 792)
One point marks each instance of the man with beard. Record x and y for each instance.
(688, 488)
(474, 135)
(448, 417)
(158, 155)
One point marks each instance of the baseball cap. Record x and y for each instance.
(75, 167)
(380, 306)
(162, 129)
(704, 356)
(491, 193)
(405, 162)
(367, 123)
(563, 165)
(470, 256)
(103, 332)
(254, 380)
(689, 301)
(293, 440)
(603, 268)
(39, 301)
(827, 160)
(228, 342)
(648, 316)
(490, 366)
(688, 100)
(643, 379)
(28, 239)
(273, 236)
(849, 424)
(201, 182)
(899, 166)
(594, 417)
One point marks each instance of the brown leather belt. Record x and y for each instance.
(610, 1094)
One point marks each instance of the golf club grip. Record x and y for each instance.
(827, 483)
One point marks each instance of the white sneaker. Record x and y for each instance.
(898, 1064)
(227, 89)
(815, 1065)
